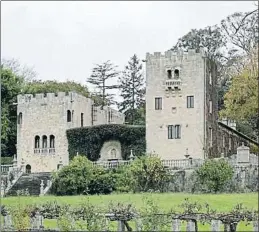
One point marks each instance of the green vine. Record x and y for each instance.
(88, 141)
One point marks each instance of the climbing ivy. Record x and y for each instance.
(89, 140)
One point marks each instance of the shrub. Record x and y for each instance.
(88, 141)
(214, 174)
(148, 173)
(74, 178)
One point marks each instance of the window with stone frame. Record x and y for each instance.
(169, 74)
(44, 141)
(176, 74)
(174, 131)
(37, 142)
(19, 121)
(190, 101)
(158, 103)
(69, 116)
(52, 141)
(82, 119)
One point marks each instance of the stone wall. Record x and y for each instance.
(195, 72)
(50, 115)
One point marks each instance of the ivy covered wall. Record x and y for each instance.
(89, 140)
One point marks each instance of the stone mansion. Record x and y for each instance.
(181, 115)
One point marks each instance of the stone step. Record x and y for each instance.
(30, 181)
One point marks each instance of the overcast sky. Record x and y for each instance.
(62, 40)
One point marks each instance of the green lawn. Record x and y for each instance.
(219, 202)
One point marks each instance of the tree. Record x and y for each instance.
(214, 174)
(148, 173)
(23, 71)
(39, 86)
(10, 88)
(131, 84)
(241, 100)
(100, 75)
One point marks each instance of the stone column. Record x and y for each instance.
(41, 188)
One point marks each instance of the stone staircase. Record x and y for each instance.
(30, 181)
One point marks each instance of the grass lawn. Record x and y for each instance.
(219, 202)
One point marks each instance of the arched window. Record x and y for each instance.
(28, 168)
(52, 141)
(169, 74)
(176, 73)
(68, 116)
(113, 153)
(19, 118)
(44, 141)
(37, 142)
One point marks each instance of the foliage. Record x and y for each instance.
(10, 88)
(88, 217)
(82, 177)
(88, 141)
(21, 219)
(214, 174)
(6, 160)
(148, 174)
(241, 101)
(74, 178)
(52, 86)
(100, 75)
(132, 90)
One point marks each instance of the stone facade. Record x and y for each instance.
(185, 83)
(42, 123)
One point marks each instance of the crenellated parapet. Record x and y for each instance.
(50, 97)
(175, 55)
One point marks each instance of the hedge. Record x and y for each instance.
(89, 140)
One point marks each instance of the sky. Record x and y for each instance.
(63, 40)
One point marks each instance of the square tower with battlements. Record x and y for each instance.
(43, 120)
(181, 105)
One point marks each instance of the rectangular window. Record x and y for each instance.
(158, 103)
(82, 119)
(210, 107)
(190, 101)
(177, 131)
(210, 78)
(211, 137)
(170, 132)
(174, 132)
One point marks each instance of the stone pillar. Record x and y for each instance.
(8, 225)
(176, 225)
(121, 226)
(190, 227)
(23, 166)
(215, 225)
(2, 188)
(37, 221)
(41, 188)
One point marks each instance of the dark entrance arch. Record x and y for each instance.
(28, 168)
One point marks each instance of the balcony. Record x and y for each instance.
(44, 151)
(173, 84)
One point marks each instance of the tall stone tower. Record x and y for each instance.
(181, 105)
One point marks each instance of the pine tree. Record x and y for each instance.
(100, 75)
(132, 88)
